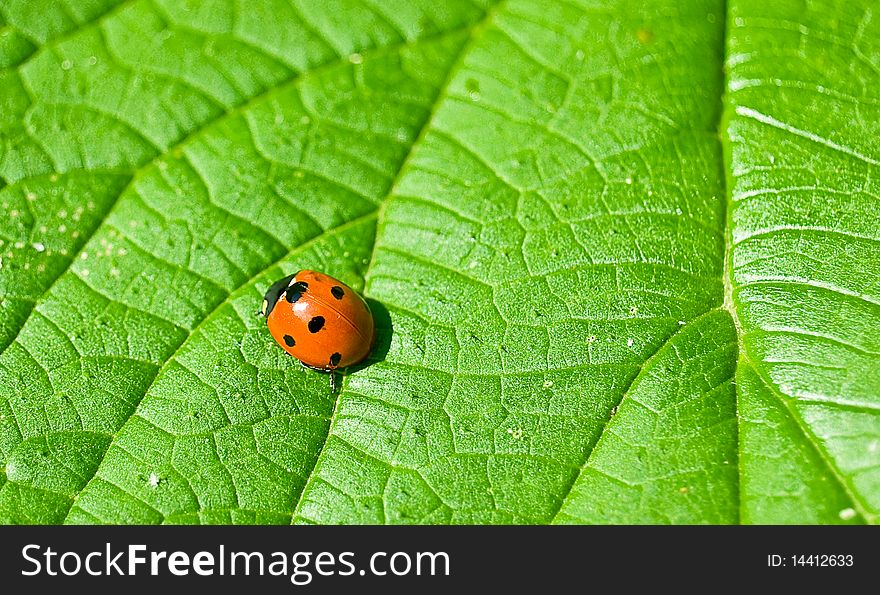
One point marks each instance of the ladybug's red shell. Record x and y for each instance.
(319, 320)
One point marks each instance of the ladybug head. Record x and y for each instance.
(273, 294)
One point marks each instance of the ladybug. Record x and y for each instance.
(320, 321)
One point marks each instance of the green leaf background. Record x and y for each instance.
(623, 258)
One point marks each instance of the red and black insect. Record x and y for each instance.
(320, 321)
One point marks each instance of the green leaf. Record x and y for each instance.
(622, 260)
(805, 269)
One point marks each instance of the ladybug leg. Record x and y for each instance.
(333, 386)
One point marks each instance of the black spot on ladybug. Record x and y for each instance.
(337, 292)
(316, 324)
(295, 291)
(289, 341)
(334, 359)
